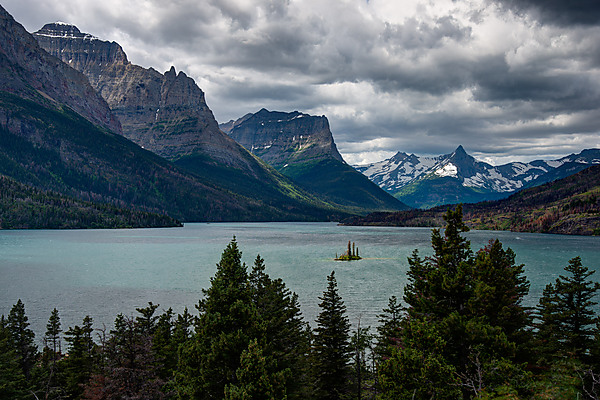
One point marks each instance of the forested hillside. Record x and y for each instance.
(461, 331)
(567, 206)
(25, 207)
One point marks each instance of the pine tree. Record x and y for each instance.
(12, 379)
(331, 346)
(285, 334)
(52, 338)
(21, 338)
(389, 328)
(227, 323)
(81, 362)
(566, 311)
(255, 381)
(473, 302)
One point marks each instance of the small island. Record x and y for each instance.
(350, 255)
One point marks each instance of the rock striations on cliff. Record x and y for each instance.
(31, 73)
(164, 113)
(57, 133)
(301, 146)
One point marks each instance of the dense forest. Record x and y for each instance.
(460, 332)
(567, 206)
(26, 207)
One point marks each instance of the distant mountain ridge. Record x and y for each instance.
(425, 182)
(569, 206)
(301, 147)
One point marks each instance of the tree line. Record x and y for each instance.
(461, 331)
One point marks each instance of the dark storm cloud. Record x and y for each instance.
(418, 76)
(559, 12)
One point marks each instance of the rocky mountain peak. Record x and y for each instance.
(282, 138)
(64, 30)
(164, 113)
(31, 73)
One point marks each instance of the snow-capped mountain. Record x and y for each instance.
(408, 177)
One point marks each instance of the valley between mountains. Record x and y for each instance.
(82, 129)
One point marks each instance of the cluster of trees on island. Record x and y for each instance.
(462, 332)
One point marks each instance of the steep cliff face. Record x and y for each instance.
(301, 147)
(281, 138)
(164, 113)
(31, 73)
(57, 133)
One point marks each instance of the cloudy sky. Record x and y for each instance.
(507, 79)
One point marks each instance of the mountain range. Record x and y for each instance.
(168, 115)
(301, 147)
(569, 205)
(58, 133)
(425, 182)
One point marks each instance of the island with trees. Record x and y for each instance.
(350, 255)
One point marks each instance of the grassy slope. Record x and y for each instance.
(567, 206)
(342, 185)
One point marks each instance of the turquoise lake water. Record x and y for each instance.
(104, 272)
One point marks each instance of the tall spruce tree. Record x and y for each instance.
(331, 347)
(227, 323)
(12, 379)
(566, 312)
(22, 338)
(286, 335)
(473, 304)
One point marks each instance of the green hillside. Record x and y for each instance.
(57, 149)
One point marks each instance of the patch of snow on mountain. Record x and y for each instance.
(447, 170)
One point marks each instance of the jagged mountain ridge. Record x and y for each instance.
(570, 205)
(168, 115)
(465, 179)
(301, 146)
(164, 113)
(57, 133)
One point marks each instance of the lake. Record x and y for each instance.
(105, 272)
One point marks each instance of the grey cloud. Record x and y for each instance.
(558, 12)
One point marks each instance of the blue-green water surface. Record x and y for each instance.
(105, 272)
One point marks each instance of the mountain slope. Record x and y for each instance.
(301, 147)
(24, 207)
(567, 206)
(168, 115)
(57, 133)
(425, 182)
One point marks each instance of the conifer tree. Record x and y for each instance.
(472, 303)
(389, 328)
(255, 381)
(566, 311)
(81, 362)
(21, 338)
(12, 379)
(52, 338)
(285, 334)
(331, 346)
(227, 323)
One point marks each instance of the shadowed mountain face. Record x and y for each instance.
(425, 182)
(31, 73)
(57, 133)
(301, 147)
(164, 113)
(167, 114)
